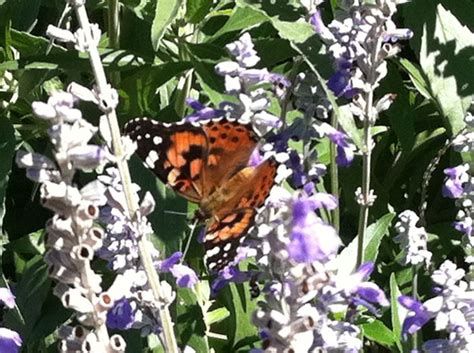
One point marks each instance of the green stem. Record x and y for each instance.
(367, 154)
(114, 33)
(185, 82)
(145, 257)
(334, 176)
(415, 297)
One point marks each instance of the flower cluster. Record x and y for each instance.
(460, 186)
(412, 239)
(73, 236)
(302, 293)
(310, 99)
(72, 233)
(10, 341)
(452, 310)
(359, 42)
(247, 84)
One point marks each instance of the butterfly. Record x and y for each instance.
(206, 162)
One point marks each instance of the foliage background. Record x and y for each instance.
(166, 54)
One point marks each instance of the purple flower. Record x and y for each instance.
(166, 264)
(311, 239)
(255, 158)
(185, 276)
(201, 112)
(457, 176)
(317, 22)
(340, 83)
(227, 275)
(372, 293)
(298, 177)
(10, 341)
(121, 316)
(415, 322)
(319, 27)
(345, 149)
(7, 298)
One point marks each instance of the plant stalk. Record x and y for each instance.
(334, 174)
(104, 92)
(367, 154)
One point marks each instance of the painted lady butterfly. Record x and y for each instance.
(207, 163)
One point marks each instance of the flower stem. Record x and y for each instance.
(104, 92)
(334, 177)
(114, 33)
(369, 118)
(415, 297)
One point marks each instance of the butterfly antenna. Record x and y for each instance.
(176, 213)
(188, 242)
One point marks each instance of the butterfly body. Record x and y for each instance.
(207, 163)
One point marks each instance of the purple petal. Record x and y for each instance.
(410, 303)
(185, 276)
(322, 199)
(339, 82)
(313, 242)
(345, 156)
(7, 298)
(10, 341)
(121, 316)
(420, 317)
(166, 264)
(193, 103)
(255, 158)
(457, 176)
(301, 209)
(227, 275)
(309, 188)
(365, 270)
(372, 293)
(317, 22)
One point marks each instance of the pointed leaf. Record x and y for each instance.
(165, 13)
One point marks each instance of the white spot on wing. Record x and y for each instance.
(212, 252)
(227, 247)
(157, 140)
(151, 159)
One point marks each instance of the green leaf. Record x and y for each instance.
(210, 83)
(217, 315)
(140, 88)
(345, 262)
(283, 17)
(446, 59)
(378, 332)
(398, 312)
(165, 13)
(189, 322)
(241, 18)
(238, 326)
(7, 150)
(196, 10)
(31, 292)
(417, 77)
(376, 232)
(25, 13)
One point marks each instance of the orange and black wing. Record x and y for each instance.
(176, 153)
(234, 220)
(224, 237)
(230, 145)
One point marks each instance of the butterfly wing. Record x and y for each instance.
(233, 221)
(176, 153)
(230, 145)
